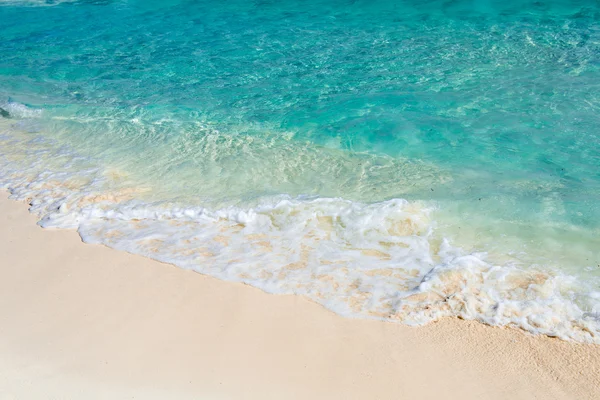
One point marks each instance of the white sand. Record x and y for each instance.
(87, 322)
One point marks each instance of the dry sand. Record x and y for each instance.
(87, 322)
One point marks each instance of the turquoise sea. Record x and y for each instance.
(403, 160)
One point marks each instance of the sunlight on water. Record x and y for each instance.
(399, 160)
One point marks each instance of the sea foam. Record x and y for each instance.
(34, 3)
(383, 260)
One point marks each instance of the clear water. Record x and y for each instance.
(404, 160)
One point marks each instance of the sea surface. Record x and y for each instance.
(401, 160)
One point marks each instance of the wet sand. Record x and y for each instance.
(83, 321)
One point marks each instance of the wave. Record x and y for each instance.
(383, 260)
(34, 3)
(18, 110)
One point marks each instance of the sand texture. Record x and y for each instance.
(83, 321)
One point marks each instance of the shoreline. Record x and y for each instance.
(86, 321)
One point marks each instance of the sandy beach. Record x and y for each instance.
(82, 321)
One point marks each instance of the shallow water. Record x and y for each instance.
(403, 160)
